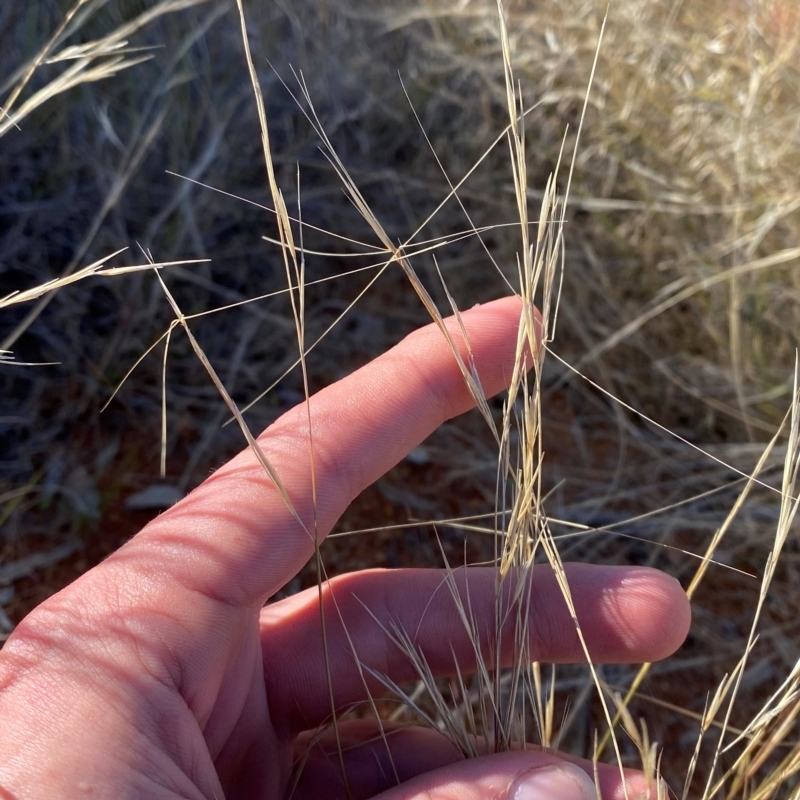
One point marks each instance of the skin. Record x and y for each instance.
(161, 674)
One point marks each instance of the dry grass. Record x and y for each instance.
(679, 307)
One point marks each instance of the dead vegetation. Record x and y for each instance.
(646, 435)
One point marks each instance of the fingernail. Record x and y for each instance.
(557, 782)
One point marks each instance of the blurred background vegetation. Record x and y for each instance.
(681, 293)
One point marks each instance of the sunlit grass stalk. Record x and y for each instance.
(790, 502)
(85, 63)
(295, 274)
(525, 520)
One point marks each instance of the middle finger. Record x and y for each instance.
(627, 615)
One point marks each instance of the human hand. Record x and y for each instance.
(160, 674)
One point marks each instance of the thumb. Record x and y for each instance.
(555, 782)
(504, 776)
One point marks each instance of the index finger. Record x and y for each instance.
(234, 538)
